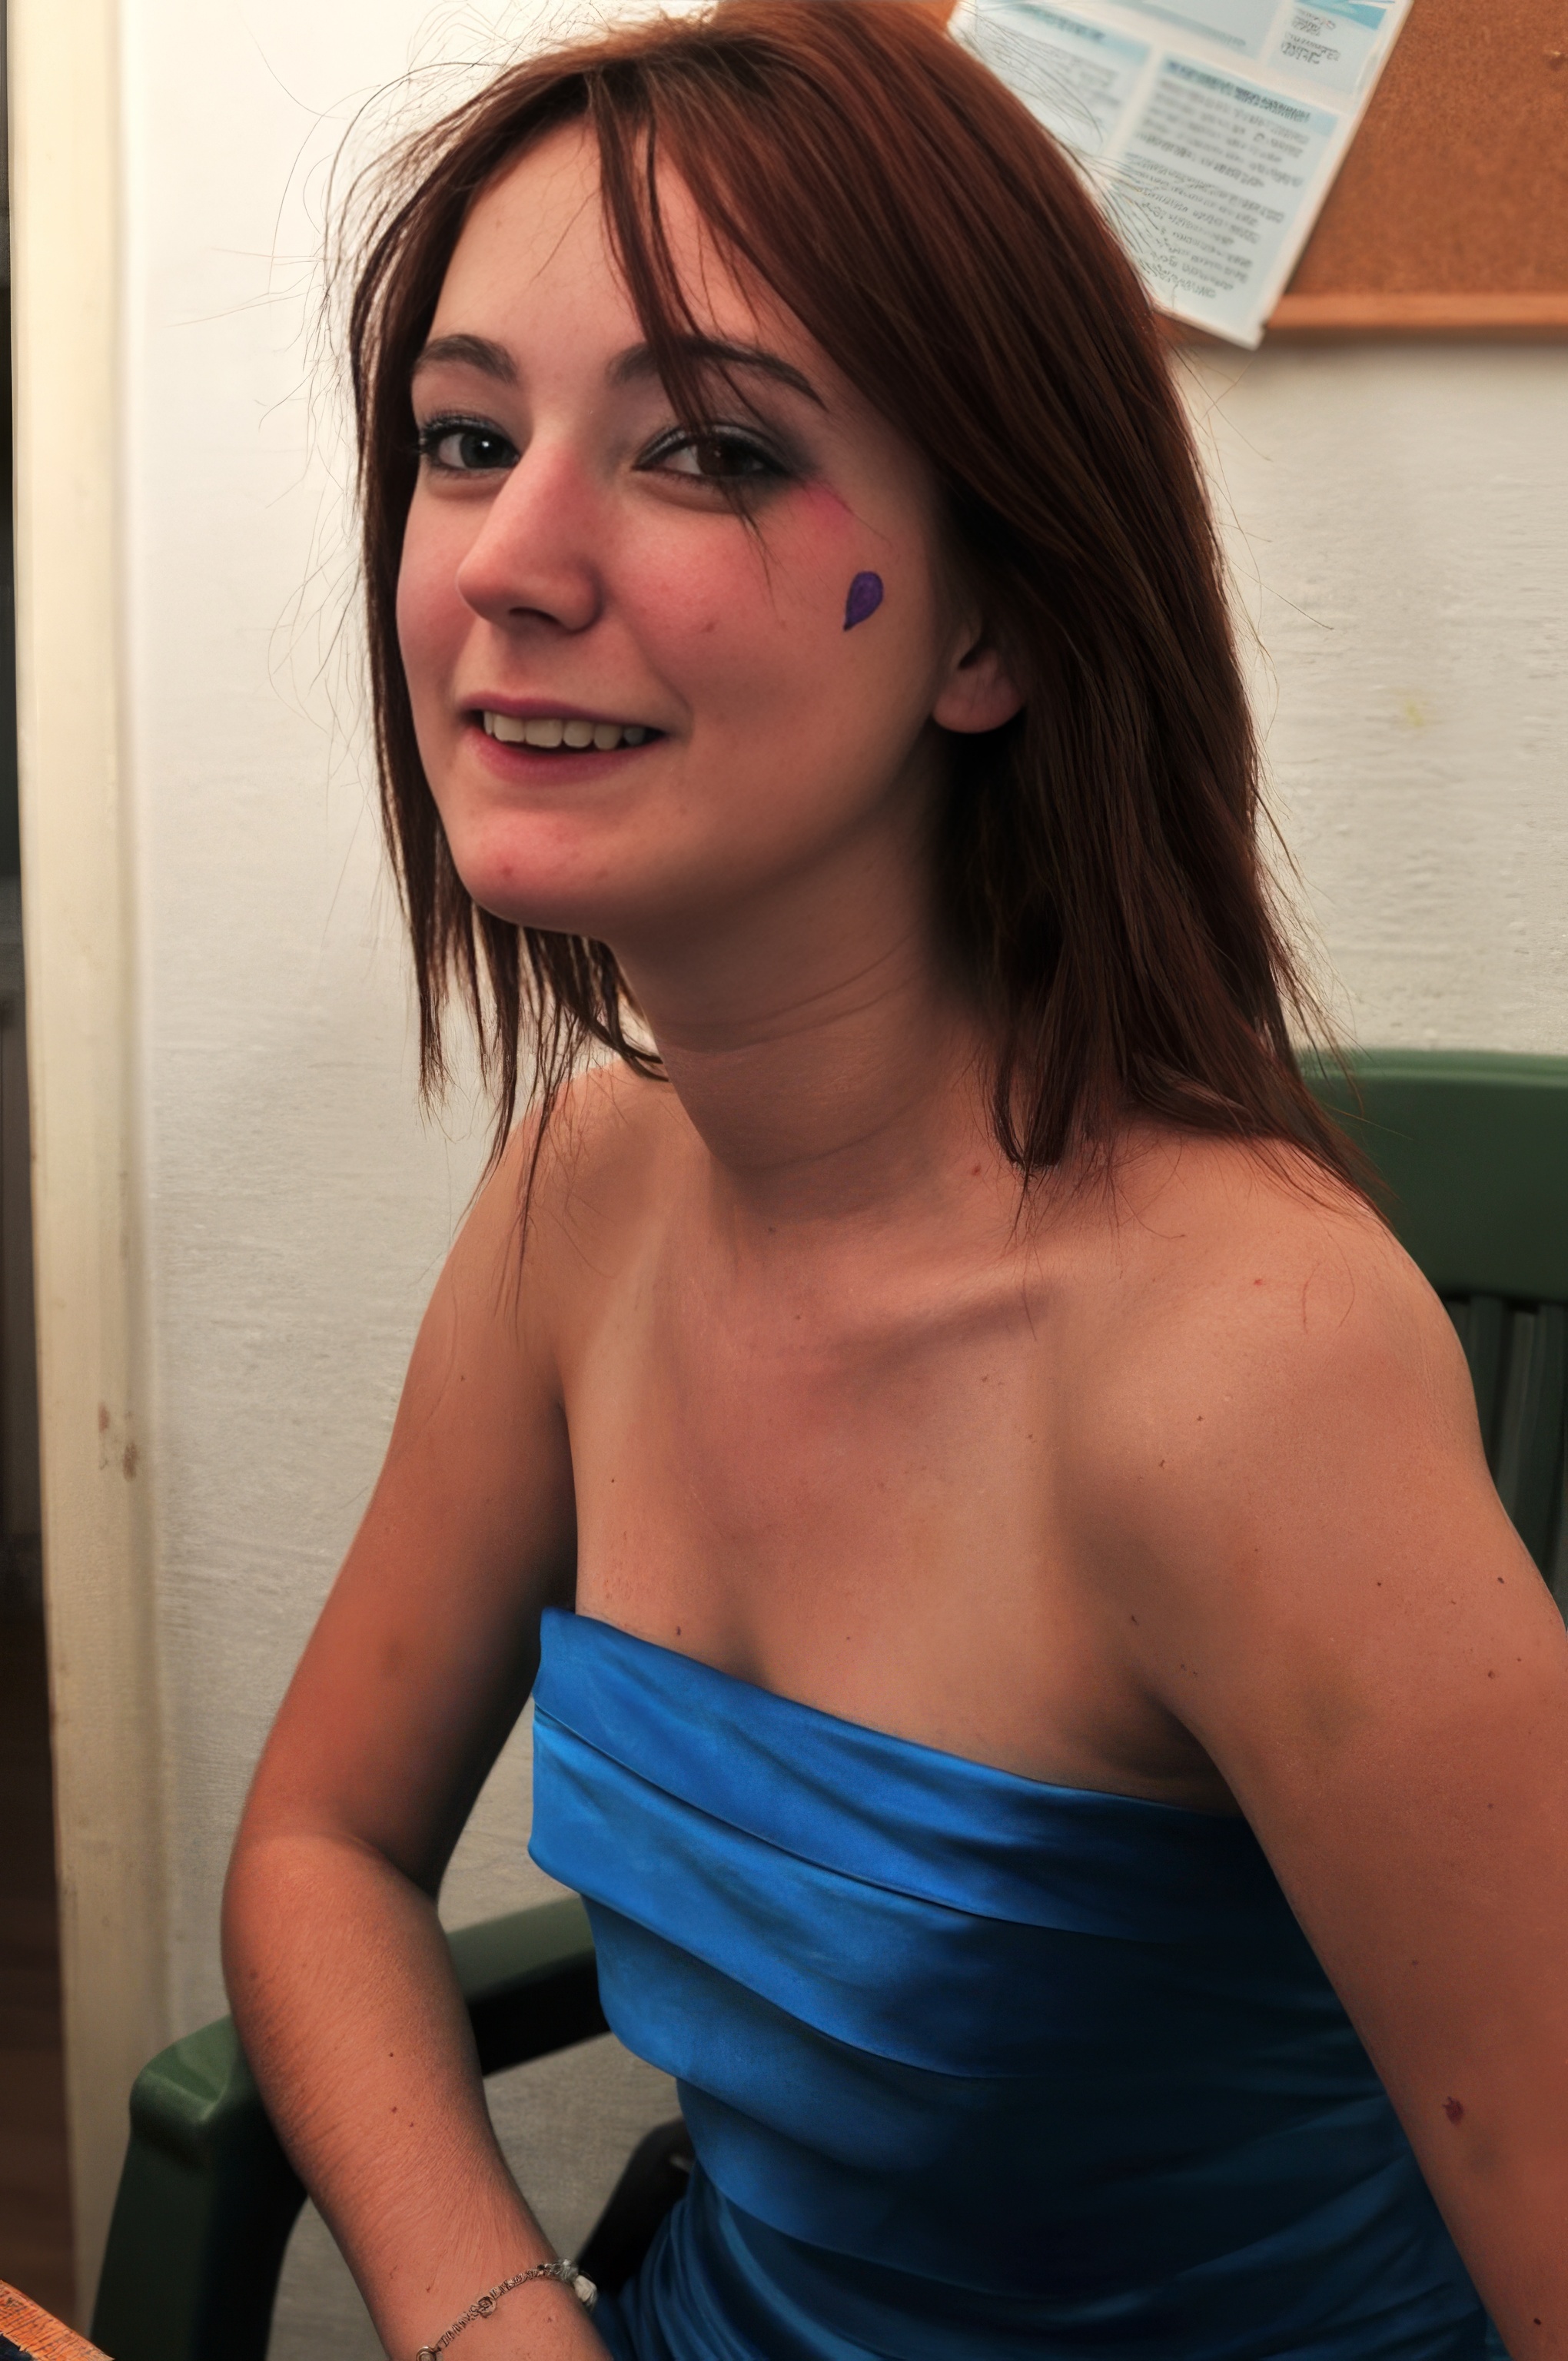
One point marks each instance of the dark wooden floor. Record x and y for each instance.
(35, 2205)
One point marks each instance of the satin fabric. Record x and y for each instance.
(974, 2066)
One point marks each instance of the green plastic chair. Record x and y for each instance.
(1474, 1152)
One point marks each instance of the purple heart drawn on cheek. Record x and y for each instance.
(864, 598)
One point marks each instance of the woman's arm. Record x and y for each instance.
(1313, 1573)
(337, 1970)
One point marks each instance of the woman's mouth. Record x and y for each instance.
(551, 733)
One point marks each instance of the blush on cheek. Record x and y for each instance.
(865, 596)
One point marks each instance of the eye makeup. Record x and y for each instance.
(720, 454)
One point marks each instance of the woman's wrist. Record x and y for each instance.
(540, 2321)
(559, 2273)
(430, 2269)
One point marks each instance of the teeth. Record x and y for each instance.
(548, 733)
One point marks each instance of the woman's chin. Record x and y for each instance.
(608, 891)
(548, 914)
(551, 906)
(563, 881)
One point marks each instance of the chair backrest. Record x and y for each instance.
(1473, 1149)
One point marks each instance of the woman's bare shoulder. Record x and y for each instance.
(1275, 1487)
(583, 1185)
(1263, 1334)
(610, 1156)
(1249, 1237)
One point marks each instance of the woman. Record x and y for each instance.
(1046, 1661)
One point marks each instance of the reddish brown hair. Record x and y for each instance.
(1098, 856)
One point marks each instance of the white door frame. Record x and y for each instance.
(77, 909)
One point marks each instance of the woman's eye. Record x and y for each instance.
(714, 459)
(460, 448)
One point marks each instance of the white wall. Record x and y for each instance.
(1399, 518)
(1398, 529)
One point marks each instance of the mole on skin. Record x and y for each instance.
(864, 598)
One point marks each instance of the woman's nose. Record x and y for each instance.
(535, 558)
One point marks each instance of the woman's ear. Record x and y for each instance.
(979, 692)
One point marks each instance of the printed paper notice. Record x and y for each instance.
(1211, 130)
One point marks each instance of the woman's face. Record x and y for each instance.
(573, 571)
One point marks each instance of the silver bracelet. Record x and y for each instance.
(482, 2306)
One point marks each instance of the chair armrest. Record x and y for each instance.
(207, 2198)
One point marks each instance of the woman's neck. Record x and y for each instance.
(827, 1067)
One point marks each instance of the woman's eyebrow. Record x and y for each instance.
(493, 360)
(472, 352)
(639, 362)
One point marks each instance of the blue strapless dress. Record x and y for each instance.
(974, 2068)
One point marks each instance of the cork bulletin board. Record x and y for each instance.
(1450, 213)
